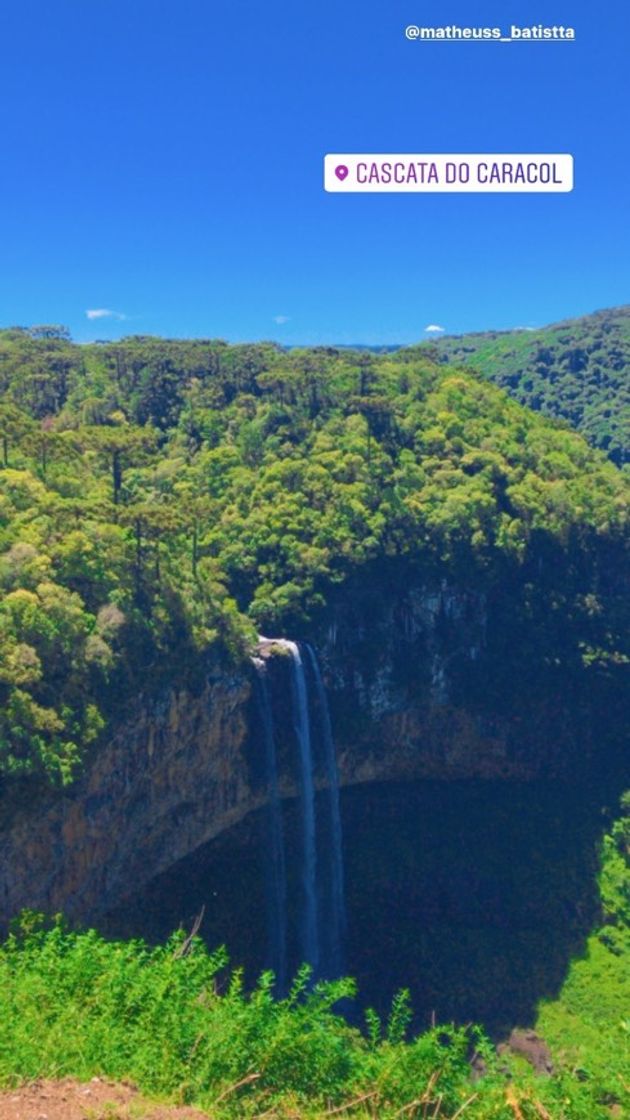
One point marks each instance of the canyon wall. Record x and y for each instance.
(408, 678)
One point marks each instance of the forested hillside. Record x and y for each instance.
(577, 370)
(159, 496)
(162, 500)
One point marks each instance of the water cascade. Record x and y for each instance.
(302, 727)
(322, 906)
(334, 901)
(276, 860)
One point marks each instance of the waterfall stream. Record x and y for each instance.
(276, 859)
(335, 910)
(322, 904)
(302, 725)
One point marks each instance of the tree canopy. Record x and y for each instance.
(578, 370)
(160, 498)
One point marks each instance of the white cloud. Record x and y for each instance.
(281, 319)
(434, 329)
(104, 313)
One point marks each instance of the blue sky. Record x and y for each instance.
(163, 160)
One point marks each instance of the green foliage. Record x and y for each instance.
(615, 878)
(588, 1025)
(179, 1024)
(577, 371)
(176, 1022)
(159, 499)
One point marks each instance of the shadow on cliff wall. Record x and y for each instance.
(475, 895)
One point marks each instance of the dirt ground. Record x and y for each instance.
(96, 1100)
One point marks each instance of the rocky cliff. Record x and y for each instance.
(408, 672)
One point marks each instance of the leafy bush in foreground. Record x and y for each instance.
(179, 1024)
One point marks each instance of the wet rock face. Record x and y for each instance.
(405, 676)
(416, 681)
(174, 773)
(388, 662)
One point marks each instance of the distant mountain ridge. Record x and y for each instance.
(577, 370)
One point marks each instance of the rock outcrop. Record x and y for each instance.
(400, 670)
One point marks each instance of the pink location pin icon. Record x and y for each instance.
(341, 172)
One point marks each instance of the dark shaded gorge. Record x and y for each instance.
(473, 892)
(475, 895)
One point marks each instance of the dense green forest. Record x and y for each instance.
(162, 499)
(158, 497)
(578, 370)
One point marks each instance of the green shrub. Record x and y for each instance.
(179, 1024)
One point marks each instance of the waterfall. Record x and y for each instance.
(301, 723)
(322, 906)
(276, 861)
(334, 905)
